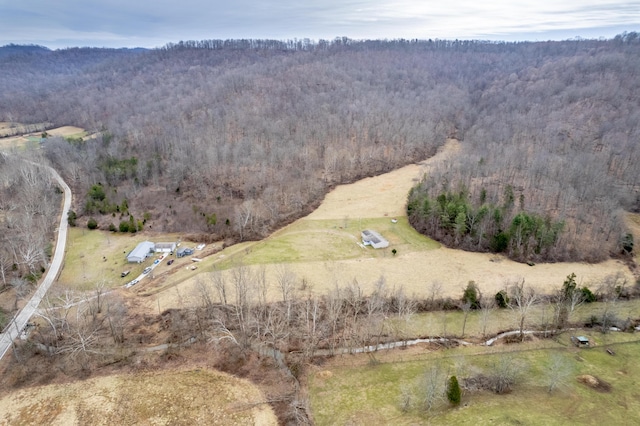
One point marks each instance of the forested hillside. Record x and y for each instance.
(235, 138)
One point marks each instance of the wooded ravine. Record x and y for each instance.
(233, 139)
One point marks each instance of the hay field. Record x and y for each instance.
(67, 131)
(322, 249)
(34, 138)
(196, 396)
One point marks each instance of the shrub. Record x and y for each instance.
(71, 218)
(92, 224)
(97, 192)
(454, 395)
(588, 295)
(124, 226)
(471, 295)
(627, 244)
(502, 300)
(112, 227)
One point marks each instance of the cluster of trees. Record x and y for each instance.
(80, 327)
(267, 128)
(453, 219)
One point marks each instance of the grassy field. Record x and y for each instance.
(100, 257)
(450, 323)
(33, 139)
(352, 391)
(323, 240)
(195, 397)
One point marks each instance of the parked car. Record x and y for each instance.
(124, 274)
(170, 261)
(155, 262)
(147, 270)
(131, 283)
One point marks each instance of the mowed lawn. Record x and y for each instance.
(99, 257)
(320, 240)
(352, 391)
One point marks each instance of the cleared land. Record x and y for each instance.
(35, 137)
(99, 257)
(322, 249)
(349, 390)
(197, 396)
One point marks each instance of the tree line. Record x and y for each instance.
(235, 312)
(29, 204)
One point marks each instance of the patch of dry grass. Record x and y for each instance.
(32, 139)
(197, 396)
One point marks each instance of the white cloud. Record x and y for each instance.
(153, 23)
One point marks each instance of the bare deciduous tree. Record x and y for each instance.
(522, 299)
(430, 388)
(487, 307)
(559, 369)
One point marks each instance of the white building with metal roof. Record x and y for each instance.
(141, 252)
(373, 239)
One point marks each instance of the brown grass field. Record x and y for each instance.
(23, 140)
(197, 396)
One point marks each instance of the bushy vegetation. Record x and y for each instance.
(454, 394)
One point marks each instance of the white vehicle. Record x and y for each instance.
(131, 283)
(200, 246)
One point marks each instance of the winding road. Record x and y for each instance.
(18, 323)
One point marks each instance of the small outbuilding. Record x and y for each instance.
(165, 247)
(184, 251)
(580, 341)
(373, 239)
(141, 252)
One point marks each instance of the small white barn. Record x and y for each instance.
(141, 252)
(373, 239)
(165, 247)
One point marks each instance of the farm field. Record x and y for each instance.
(195, 397)
(351, 390)
(322, 249)
(34, 138)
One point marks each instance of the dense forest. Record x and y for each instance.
(235, 138)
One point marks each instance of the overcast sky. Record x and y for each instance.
(153, 23)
